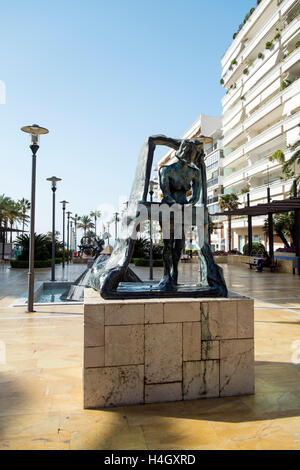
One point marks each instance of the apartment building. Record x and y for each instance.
(210, 126)
(261, 107)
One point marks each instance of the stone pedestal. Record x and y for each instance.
(154, 350)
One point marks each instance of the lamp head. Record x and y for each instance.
(54, 180)
(35, 130)
(64, 204)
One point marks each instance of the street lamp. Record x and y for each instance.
(53, 180)
(151, 192)
(68, 236)
(64, 203)
(35, 132)
(108, 227)
(116, 225)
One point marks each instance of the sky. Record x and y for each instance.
(102, 76)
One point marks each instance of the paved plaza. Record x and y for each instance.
(41, 378)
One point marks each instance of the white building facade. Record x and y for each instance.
(261, 109)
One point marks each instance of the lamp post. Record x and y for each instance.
(151, 192)
(64, 203)
(68, 237)
(53, 180)
(71, 239)
(35, 132)
(108, 226)
(116, 225)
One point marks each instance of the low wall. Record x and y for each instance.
(160, 350)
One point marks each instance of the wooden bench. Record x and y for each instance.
(273, 266)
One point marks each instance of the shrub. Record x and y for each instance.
(269, 45)
(246, 18)
(297, 44)
(222, 81)
(141, 248)
(24, 264)
(157, 263)
(157, 251)
(233, 62)
(277, 36)
(257, 248)
(277, 156)
(245, 71)
(235, 35)
(258, 2)
(252, 10)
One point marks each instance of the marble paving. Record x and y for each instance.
(41, 381)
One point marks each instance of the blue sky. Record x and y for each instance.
(102, 76)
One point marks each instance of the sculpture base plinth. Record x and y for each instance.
(160, 350)
(134, 290)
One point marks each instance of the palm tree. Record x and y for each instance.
(5, 205)
(284, 227)
(85, 223)
(288, 166)
(96, 214)
(229, 202)
(75, 219)
(9, 213)
(24, 206)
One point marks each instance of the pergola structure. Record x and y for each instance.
(269, 208)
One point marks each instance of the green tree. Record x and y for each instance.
(85, 223)
(75, 219)
(24, 206)
(284, 227)
(42, 246)
(289, 166)
(229, 202)
(9, 214)
(96, 215)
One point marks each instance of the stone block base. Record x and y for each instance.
(160, 350)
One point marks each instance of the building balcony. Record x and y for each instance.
(233, 156)
(260, 68)
(260, 169)
(261, 11)
(261, 139)
(279, 189)
(234, 135)
(232, 113)
(292, 62)
(260, 23)
(290, 31)
(262, 36)
(272, 110)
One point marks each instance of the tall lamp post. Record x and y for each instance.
(64, 203)
(53, 180)
(108, 227)
(151, 192)
(35, 132)
(68, 237)
(116, 225)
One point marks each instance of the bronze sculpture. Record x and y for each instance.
(188, 173)
(175, 182)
